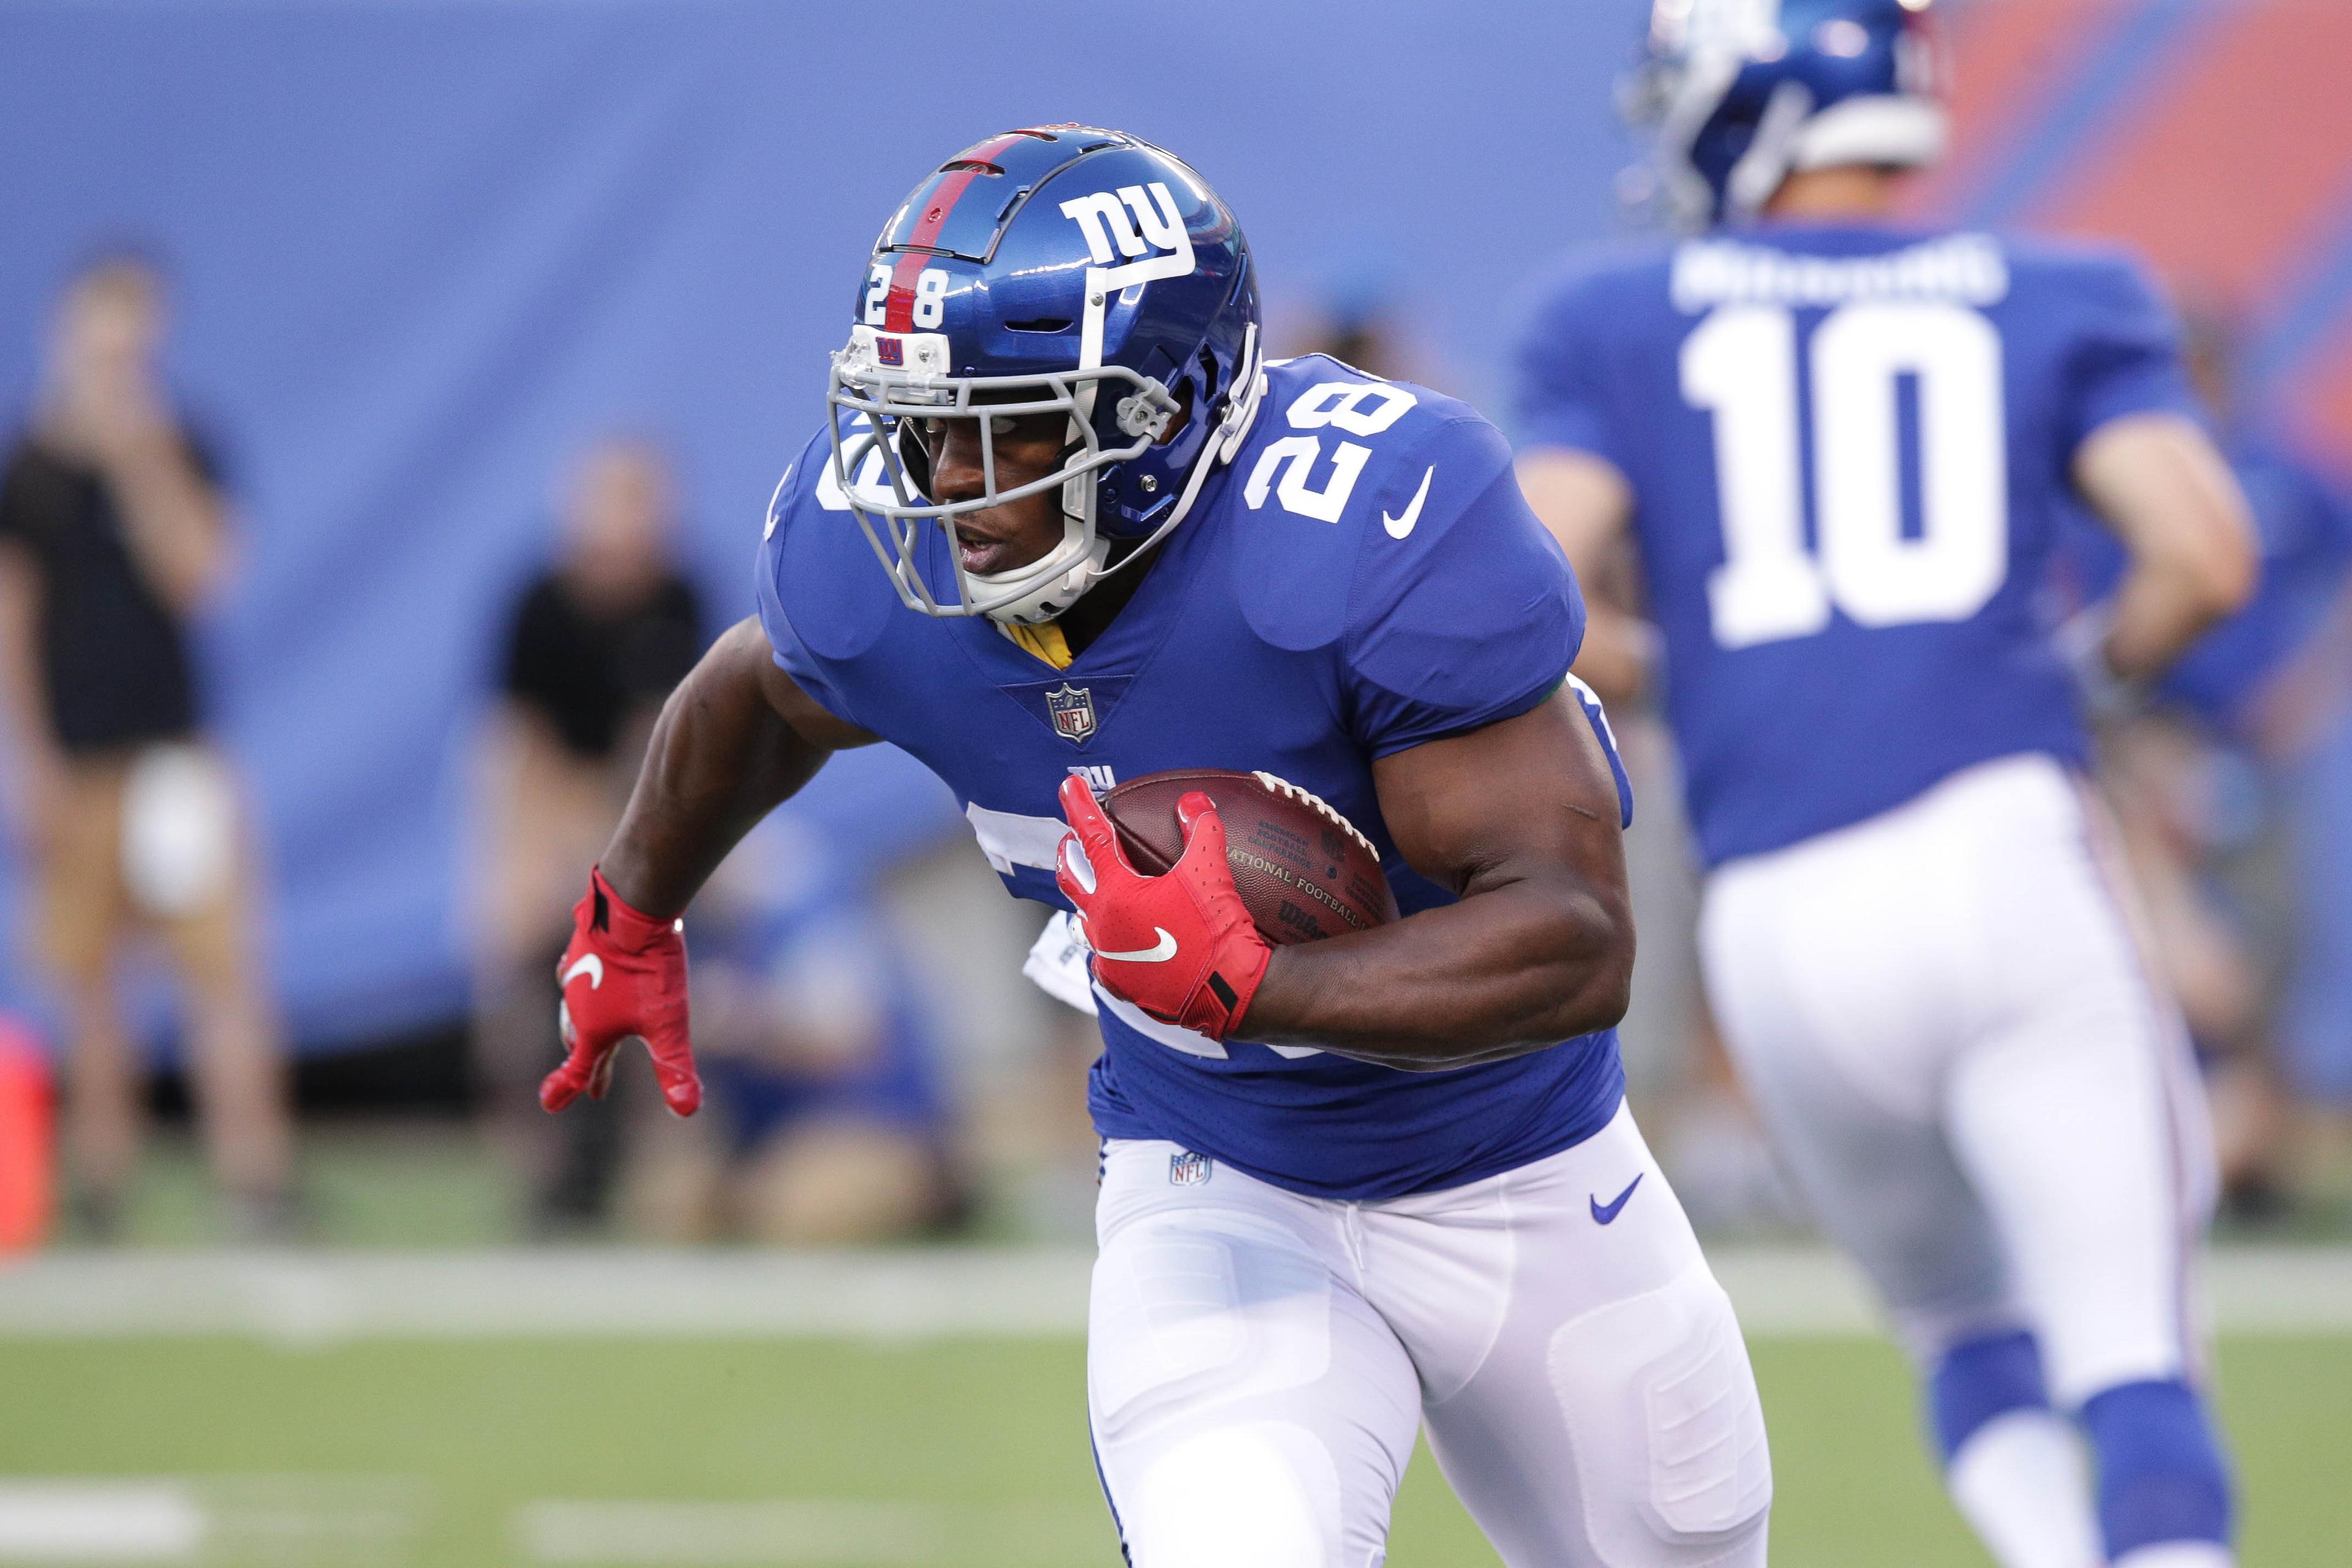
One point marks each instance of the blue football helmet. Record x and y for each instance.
(1743, 93)
(1061, 270)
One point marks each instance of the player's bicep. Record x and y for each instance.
(745, 646)
(1469, 617)
(1530, 797)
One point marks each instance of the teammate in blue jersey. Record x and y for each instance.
(825, 1058)
(1062, 526)
(1840, 450)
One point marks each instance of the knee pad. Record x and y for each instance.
(2161, 1475)
(1659, 1389)
(1979, 1380)
(1256, 1495)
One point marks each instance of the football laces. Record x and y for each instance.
(1322, 807)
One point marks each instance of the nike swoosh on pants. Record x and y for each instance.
(1603, 1214)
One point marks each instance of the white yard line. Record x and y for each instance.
(300, 1521)
(100, 1521)
(778, 1531)
(326, 1297)
(294, 1520)
(804, 1530)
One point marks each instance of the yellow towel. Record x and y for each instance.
(1045, 641)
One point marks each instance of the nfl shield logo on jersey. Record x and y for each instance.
(1186, 1169)
(1073, 707)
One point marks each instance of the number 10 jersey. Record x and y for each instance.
(1850, 451)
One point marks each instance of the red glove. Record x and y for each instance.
(623, 976)
(1180, 946)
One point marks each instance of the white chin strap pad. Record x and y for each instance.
(1067, 572)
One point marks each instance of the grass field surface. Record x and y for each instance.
(835, 1454)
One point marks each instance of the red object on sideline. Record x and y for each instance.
(28, 1149)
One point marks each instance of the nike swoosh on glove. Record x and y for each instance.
(623, 977)
(1181, 946)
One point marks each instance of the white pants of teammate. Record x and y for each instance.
(1943, 1018)
(1258, 1363)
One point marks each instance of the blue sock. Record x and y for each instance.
(1979, 1380)
(2161, 1475)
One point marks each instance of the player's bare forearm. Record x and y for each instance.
(1510, 970)
(1587, 505)
(2162, 606)
(1620, 649)
(735, 740)
(2162, 486)
(1521, 819)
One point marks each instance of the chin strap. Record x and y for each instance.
(1057, 590)
(1053, 591)
(1773, 152)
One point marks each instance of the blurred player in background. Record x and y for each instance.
(1842, 452)
(822, 1056)
(114, 535)
(1113, 541)
(2271, 684)
(592, 647)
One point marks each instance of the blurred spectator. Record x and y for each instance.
(114, 534)
(828, 1120)
(1357, 322)
(1361, 338)
(592, 647)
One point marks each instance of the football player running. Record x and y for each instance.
(1349, 1186)
(1839, 449)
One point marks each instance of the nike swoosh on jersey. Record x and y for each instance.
(775, 516)
(1399, 527)
(1159, 952)
(1602, 1213)
(590, 966)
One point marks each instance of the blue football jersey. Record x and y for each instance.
(1850, 452)
(2304, 530)
(1362, 577)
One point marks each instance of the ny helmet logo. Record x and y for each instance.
(1103, 215)
(1116, 223)
(1073, 711)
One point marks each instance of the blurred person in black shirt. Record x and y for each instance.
(592, 647)
(113, 535)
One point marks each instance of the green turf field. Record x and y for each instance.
(963, 1452)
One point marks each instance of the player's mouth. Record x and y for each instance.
(981, 553)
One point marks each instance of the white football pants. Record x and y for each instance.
(1258, 1363)
(1943, 1018)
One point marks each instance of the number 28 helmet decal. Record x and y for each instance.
(1742, 93)
(1062, 270)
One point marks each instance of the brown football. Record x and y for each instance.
(1302, 868)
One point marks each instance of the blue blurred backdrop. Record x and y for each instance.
(427, 250)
